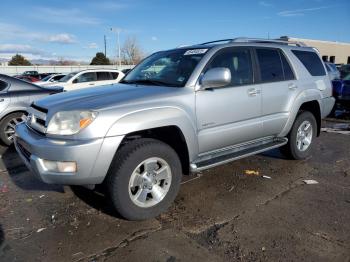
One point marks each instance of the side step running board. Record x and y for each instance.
(231, 155)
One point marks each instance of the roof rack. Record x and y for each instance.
(217, 41)
(281, 41)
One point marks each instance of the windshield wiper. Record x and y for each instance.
(148, 82)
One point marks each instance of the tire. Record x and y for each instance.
(7, 127)
(294, 149)
(128, 180)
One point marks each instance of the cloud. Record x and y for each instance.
(300, 12)
(10, 31)
(63, 16)
(61, 39)
(23, 49)
(91, 46)
(154, 38)
(9, 50)
(265, 4)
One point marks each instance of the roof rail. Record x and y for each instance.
(281, 41)
(262, 40)
(217, 41)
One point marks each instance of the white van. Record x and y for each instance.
(88, 78)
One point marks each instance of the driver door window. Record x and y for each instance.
(87, 77)
(239, 62)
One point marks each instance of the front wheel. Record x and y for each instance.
(301, 136)
(7, 127)
(144, 179)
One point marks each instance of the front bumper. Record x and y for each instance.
(93, 157)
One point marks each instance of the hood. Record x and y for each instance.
(104, 97)
(54, 89)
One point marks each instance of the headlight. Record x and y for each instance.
(70, 122)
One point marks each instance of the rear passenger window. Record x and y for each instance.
(288, 72)
(311, 61)
(101, 76)
(270, 65)
(238, 61)
(114, 75)
(3, 85)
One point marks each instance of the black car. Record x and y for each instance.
(15, 96)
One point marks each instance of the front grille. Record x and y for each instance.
(37, 118)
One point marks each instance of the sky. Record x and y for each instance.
(75, 29)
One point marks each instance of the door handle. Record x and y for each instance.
(253, 92)
(292, 86)
(91, 84)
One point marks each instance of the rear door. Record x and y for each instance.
(229, 115)
(278, 86)
(104, 78)
(5, 97)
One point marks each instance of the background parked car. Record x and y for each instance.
(332, 71)
(15, 96)
(88, 78)
(341, 92)
(344, 70)
(27, 78)
(31, 73)
(49, 79)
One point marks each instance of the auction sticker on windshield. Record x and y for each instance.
(195, 51)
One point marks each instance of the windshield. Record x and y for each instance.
(46, 78)
(66, 78)
(168, 68)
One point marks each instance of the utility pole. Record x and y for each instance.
(105, 45)
(117, 30)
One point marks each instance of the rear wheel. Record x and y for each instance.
(301, 136)
(144, 179)
(7, 127)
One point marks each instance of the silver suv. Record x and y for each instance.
(178, 111)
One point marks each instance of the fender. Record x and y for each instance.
(158, 117)
(10, 110)
(304, 96)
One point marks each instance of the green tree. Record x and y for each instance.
(100, 59)
(19, 60)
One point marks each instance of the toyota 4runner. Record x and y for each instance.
(178, 111)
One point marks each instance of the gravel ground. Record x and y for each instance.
(222, 214)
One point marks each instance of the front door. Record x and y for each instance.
(229, 115)
(84, 80)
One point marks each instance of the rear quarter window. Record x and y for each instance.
(3, 85)
(311, 61)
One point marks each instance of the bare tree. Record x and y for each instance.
(131, 51)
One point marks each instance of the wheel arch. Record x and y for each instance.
(308, 100)
(170, 135)
(12, 112)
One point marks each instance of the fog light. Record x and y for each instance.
(60, 167)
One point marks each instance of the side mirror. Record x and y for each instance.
(75, 81)
(215, 78)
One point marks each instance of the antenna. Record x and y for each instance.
(104, 37)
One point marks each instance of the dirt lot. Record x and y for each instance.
(220, 215)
